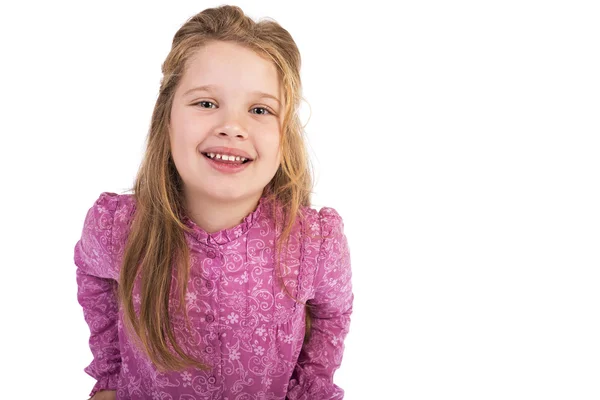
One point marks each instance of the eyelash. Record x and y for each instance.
(264, 108)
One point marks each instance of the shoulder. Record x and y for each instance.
(108, 219)
(323, 223)
(93, 252)
(326, 255)
(111, 207)
(100, 216)
(106, 224)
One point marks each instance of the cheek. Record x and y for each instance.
(180, 148)
(275, 150)
(267, 145)
(279, 156)
(181, 137)
(174, 140)
(181, 126)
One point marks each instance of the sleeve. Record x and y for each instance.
(96, 291)
(321, 356)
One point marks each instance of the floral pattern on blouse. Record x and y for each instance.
(243, 324)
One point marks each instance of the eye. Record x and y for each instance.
(205, 102)
(265, 110)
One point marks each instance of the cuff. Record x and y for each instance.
(105, 383)
(313, 388)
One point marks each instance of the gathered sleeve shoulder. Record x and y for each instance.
(96, 276)
(94, 252)
(330, 306)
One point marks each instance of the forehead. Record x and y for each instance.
(231, 67)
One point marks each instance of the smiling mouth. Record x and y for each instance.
(230, 160)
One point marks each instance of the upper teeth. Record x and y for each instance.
(226, 157)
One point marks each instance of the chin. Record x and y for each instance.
(232, 195)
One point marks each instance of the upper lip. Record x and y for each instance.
(227, 150)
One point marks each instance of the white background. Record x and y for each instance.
(458, 140)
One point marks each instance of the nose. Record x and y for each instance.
(233, 127)
(234, 133)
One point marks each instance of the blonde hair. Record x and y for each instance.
(156, 242)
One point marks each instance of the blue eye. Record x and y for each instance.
(264, 110)
(205, 102)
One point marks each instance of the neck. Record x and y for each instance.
(214, 215)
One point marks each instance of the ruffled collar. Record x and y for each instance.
(225, 235)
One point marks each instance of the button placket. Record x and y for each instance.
(212, 254)
(211, 283)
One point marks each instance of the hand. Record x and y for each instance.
(105, 395)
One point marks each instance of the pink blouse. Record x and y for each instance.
(243, 323)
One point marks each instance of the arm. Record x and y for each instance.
(331, 308)
(105, 395)
(96, 292)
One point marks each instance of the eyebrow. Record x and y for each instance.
(211, 88)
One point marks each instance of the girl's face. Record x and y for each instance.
(227, 103)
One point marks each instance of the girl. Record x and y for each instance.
(215, 279)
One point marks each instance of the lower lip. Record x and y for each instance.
(226, 167)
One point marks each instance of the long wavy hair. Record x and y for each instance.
(156, 243)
